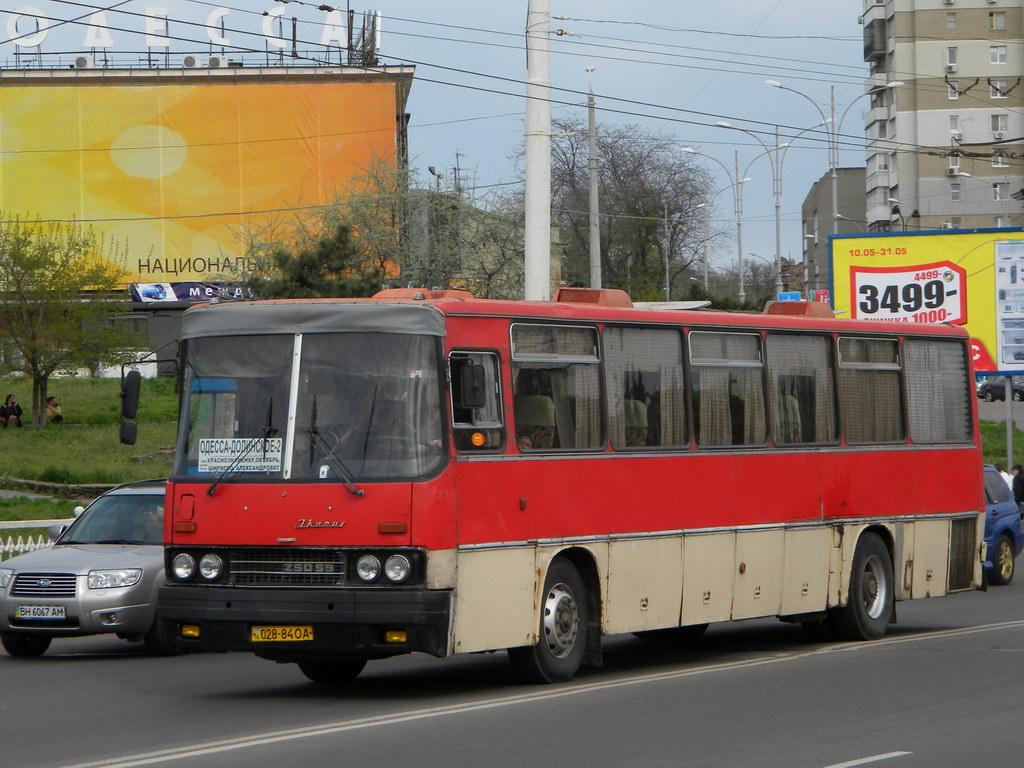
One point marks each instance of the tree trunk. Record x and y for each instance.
(39, 384)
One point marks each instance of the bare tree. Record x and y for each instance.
(649, 191)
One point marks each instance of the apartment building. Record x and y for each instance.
(945, 126)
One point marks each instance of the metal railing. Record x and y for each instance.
(10, 546)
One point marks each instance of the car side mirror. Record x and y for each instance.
(55, 531)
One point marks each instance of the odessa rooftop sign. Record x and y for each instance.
(28, 27)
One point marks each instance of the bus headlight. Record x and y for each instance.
(368, 568)
(211, 566)
(184, 566)
(397, 568)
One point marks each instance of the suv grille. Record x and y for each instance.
(44, 585)
(287, 568)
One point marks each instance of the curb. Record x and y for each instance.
(61, 490)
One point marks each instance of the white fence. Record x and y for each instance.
(9, 546)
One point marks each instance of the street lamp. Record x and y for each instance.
(776, 160)
(833, 137)
(737, 187)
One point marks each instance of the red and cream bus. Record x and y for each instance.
(425, 471)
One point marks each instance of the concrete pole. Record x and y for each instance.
(595, 222)
(777, 167)
(664, 253)
(537, 240)
(833, 161)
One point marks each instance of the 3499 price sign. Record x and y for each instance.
(925, 293)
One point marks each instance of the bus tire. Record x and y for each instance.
(870, 605)
(1002, 562)
(332, 671)
(557, 655)
(24, 645)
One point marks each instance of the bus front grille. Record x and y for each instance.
(257, 567)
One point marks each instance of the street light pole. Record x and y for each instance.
(777, 183)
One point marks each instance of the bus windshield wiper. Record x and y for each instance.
(330, 455)
(266, 433)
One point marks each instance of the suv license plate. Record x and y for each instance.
(42, 612)
(281, 634)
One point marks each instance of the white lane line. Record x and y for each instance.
(872, 759)
(276, 737)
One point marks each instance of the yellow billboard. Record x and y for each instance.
(973, 278)
(178, 173)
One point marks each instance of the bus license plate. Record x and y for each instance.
(39, 612)
(281, 634)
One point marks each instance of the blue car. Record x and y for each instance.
(1003, 535)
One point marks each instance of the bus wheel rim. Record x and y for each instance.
(561, 621)
(876, 587)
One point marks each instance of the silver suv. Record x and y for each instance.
(101, 575)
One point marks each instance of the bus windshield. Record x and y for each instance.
(324, 407)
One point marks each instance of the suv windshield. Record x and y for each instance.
(359, 406)
(116, 519)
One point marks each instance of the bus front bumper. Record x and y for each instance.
(318, 624)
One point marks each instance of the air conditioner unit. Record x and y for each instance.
(952, 171)
(191, 61)
(957, 136)
(997, 135)
(946, 225)
(951, 67)
(218, 62)
(85, 61)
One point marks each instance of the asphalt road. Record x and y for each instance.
(942, 689)
(997, 411)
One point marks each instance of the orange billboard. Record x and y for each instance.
(177, 173)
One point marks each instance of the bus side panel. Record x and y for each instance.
(806, 576)
(434, 520)
(759, 566)
(931, 558)
(776, 488)
(709, 562)
(950, 481)
(495, 599)
(878, 483)
(645, 585)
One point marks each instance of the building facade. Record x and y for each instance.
(945, 128)
(816, 218)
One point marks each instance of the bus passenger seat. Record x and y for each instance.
(535, 418)
(635, 412)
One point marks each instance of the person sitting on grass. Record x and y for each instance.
(53, 414)
(10, 412)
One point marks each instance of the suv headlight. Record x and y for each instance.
(6, 574)
(125, 577)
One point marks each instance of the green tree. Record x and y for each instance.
(60, 302)
(333, 265)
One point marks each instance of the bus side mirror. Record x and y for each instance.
(472, 386)
(130, 388)
(129, 431)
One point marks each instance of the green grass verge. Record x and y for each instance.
(85, 448)
(32, 509)
(993, 443)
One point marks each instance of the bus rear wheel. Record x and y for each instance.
(869, 606)
(332, 671)
(557, 655)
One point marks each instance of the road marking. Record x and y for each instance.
(872, 759)
(277, 737)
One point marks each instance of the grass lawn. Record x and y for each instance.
(85, 448)
(32, 509)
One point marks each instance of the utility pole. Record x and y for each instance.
(595, 223)
(777, 168)
(738, 199)
(665, 253)
(537, 241)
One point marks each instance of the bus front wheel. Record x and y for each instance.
(869, 606)
(558, 653)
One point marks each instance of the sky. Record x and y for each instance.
(672, 68)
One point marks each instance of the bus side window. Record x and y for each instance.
(870, 402)
(476, 429)
(800, 388)
(728, 393)
(939, 391)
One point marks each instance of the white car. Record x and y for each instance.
(101, 575)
